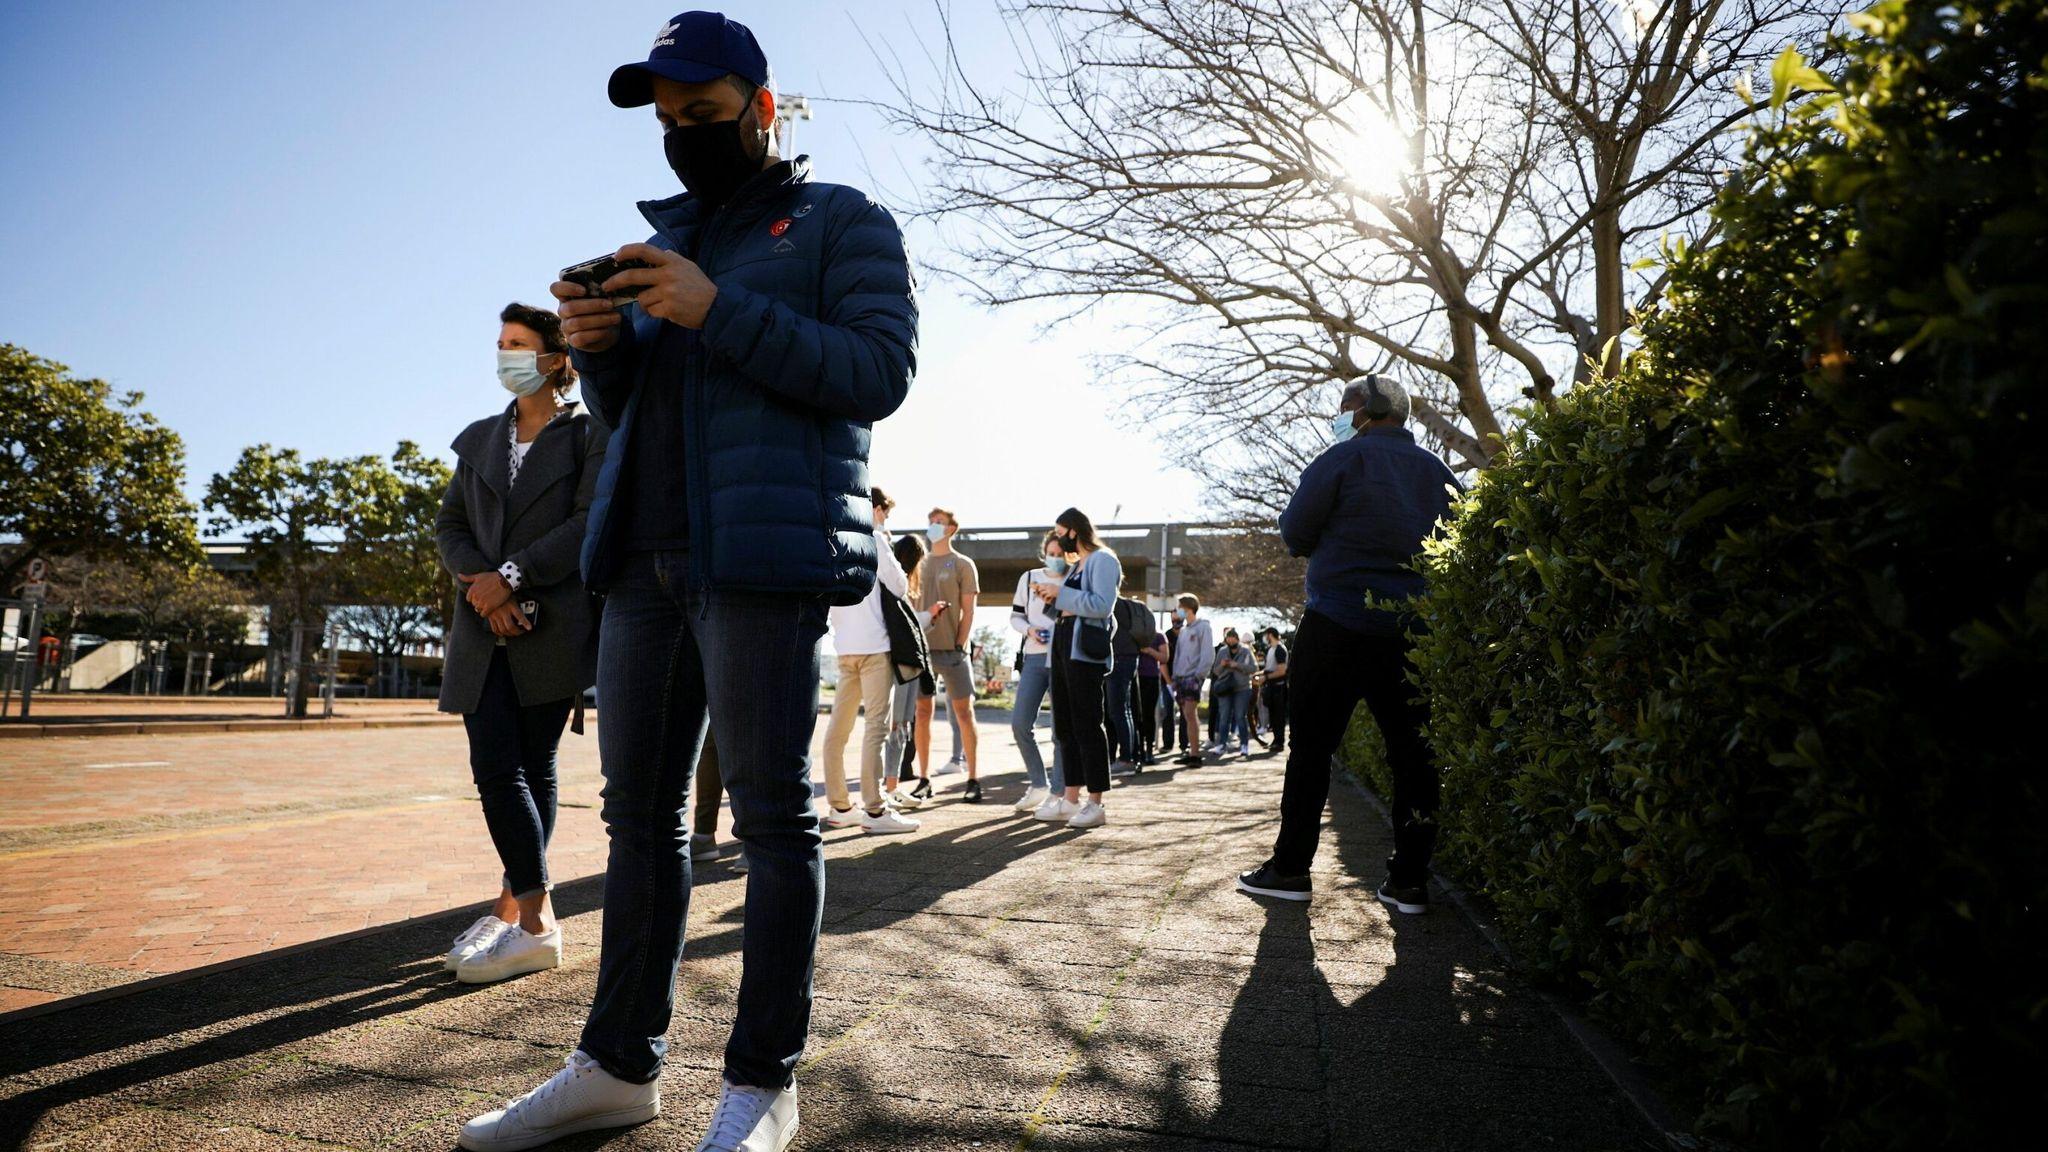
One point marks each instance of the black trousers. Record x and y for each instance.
(512, 760)
(1276, 712)
(1077, 720)
(1169, 717)
(1148, 713)
(1332, 670)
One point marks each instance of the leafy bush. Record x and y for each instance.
(1737, 662)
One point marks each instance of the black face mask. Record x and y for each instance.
(712, 160)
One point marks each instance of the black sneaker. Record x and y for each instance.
(1265, 880)
(923, 790)
(1414, 901)
(973, 792)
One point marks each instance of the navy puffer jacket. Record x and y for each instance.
(813, 337)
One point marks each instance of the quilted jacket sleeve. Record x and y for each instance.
(857, 359)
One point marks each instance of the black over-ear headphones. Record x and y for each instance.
(1378, 405)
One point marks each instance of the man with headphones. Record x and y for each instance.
(1360, 515)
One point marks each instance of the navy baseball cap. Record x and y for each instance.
(692, 48)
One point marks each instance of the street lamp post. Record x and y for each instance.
(790, 109)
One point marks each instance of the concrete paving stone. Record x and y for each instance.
(1139, 1020)
(1209, 1057)
(300, 1098)
(1083, 1138)
(398, 1050)
(1409, 1102)
(38, 1120)
(1179, 1106)
(948, 1079)
(163, 1130)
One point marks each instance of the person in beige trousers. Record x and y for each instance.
(866, 677)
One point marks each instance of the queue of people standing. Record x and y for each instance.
(715, 495)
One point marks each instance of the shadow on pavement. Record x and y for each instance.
(107, 1047)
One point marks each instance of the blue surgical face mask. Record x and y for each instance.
(935, 531)
(519, 372)
(1056, 563)
(1341, 427)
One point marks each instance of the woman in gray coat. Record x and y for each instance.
(523, 645)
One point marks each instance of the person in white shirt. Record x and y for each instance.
(1033, 619)
(861, 640)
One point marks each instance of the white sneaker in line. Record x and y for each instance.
(1056, 810)
(1244, 751)
(1032, 798)
(515, 953)
(950, 767)
(474, 939)
(751, 1120)
(888, 821)
(836, 818)
(902, 800)
(581, 1097)
(703, 847)
(1089, 815)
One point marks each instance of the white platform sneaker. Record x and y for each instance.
(1089, 815)
(515, 953)
(1032, 798)
(751, 1120)
(1056, 810)
(582, 1097)
(478, 937)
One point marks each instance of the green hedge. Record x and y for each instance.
(1737, 663)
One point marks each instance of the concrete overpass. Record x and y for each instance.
(1151, 555)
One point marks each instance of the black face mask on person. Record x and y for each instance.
(713, 160)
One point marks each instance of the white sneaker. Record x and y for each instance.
(1032, 798)
(703, 847)
(903, 800)
(751, 1120)
(474, 939)
(887, 822)
(515, 953)
(580, 1098)
(1056, 810)
(1244, 751)
(950, 767)
(738, 863)
(1089, 815)
(835, 818)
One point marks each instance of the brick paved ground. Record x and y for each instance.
(126, 857)
(989, 982)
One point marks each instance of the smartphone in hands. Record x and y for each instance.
(592, 274)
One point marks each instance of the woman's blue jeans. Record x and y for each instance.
(1117, 688)
(1033, 682)
(512, 760)
(671, 656)
(1231, 717)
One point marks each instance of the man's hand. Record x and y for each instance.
(591, 325)
(674, 289)
(508, 620)
(485, 591)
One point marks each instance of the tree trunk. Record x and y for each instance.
(1610, 313)
(1472, 398)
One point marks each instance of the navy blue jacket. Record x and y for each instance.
(812, 338)
(1360, 515)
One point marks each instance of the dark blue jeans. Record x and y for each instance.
(512, 760)
(1118, 688)
(669, 656)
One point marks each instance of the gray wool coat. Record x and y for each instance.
(538, 525)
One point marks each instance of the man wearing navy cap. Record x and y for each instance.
(775, 321)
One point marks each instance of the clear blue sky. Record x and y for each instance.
(296, 224)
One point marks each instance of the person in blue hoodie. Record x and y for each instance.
(1360, 515)
(774, 322)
